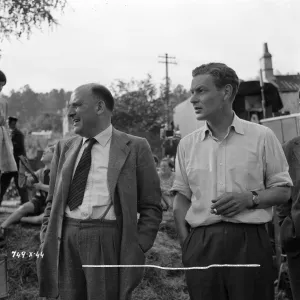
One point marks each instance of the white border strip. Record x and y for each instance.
(167, 268)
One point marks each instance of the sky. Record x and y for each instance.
(105, 40)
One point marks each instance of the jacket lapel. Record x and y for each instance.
(68, 167)
(117, 156)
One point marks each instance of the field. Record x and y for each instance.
(157, 284)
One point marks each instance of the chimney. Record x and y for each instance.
(266, 64)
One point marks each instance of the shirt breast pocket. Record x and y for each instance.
(246, 173)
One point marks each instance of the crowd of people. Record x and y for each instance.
(227, 177)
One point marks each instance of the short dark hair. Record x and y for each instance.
(221, 73)
(2, 77)
(104, 94)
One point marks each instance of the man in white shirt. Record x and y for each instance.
(98, 184)
(229, 174)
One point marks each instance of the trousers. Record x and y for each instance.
(229, 244)
(89, 242)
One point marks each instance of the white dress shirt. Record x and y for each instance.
(250, 158)
(96, 196)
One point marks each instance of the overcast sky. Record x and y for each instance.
(100, 41)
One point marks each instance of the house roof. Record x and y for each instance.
(288, 83)
(251, 88)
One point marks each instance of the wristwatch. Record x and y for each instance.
(255, 200)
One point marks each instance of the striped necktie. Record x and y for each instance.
(77, 188)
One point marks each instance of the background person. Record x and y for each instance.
(35, 207)
(17, 139)
(289, 217)
(166, 176)
(7, 161)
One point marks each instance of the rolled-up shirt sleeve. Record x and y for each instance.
(181, 183)
(275, 162)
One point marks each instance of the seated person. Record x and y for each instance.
(166, 182)
(36, 206)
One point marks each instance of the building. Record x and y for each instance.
(288, 85)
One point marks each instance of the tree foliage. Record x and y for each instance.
(38, 111)
(48, 121)
(19, 17)
(138, 106)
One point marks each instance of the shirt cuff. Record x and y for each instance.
(279, 180)
(177, 188)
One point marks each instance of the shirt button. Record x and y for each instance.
(221, 164)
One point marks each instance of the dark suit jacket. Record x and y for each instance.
(17, 138)
(289, 213)
(134, 187)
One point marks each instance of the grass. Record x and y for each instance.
(22, 278)
(157, 284)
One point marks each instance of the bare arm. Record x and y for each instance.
(183, 195)
(42, 186)
(33, 219)
(180, 208)
(271, 197)
(277, 179)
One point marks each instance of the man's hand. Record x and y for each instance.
(231, 204)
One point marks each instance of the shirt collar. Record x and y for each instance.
(236, 124)
(103, 137)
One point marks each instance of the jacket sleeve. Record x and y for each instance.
(149, 197)
(284, 209)
(53, 175)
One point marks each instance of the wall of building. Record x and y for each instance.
(290, 102)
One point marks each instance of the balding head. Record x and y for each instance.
(98, 92)
(90, 108)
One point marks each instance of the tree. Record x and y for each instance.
(24, 103)
(139, 110)
(178, 95)
(48, 121)
(54, 101)
(19, 17)
(137, 106)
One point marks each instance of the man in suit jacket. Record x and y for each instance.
(289, 217)
(91, 219)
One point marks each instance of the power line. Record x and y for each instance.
(167, 61)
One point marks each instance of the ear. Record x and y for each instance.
(100, 107)
(228, 92)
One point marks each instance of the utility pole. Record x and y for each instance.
(167, 93)
(263, 100)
